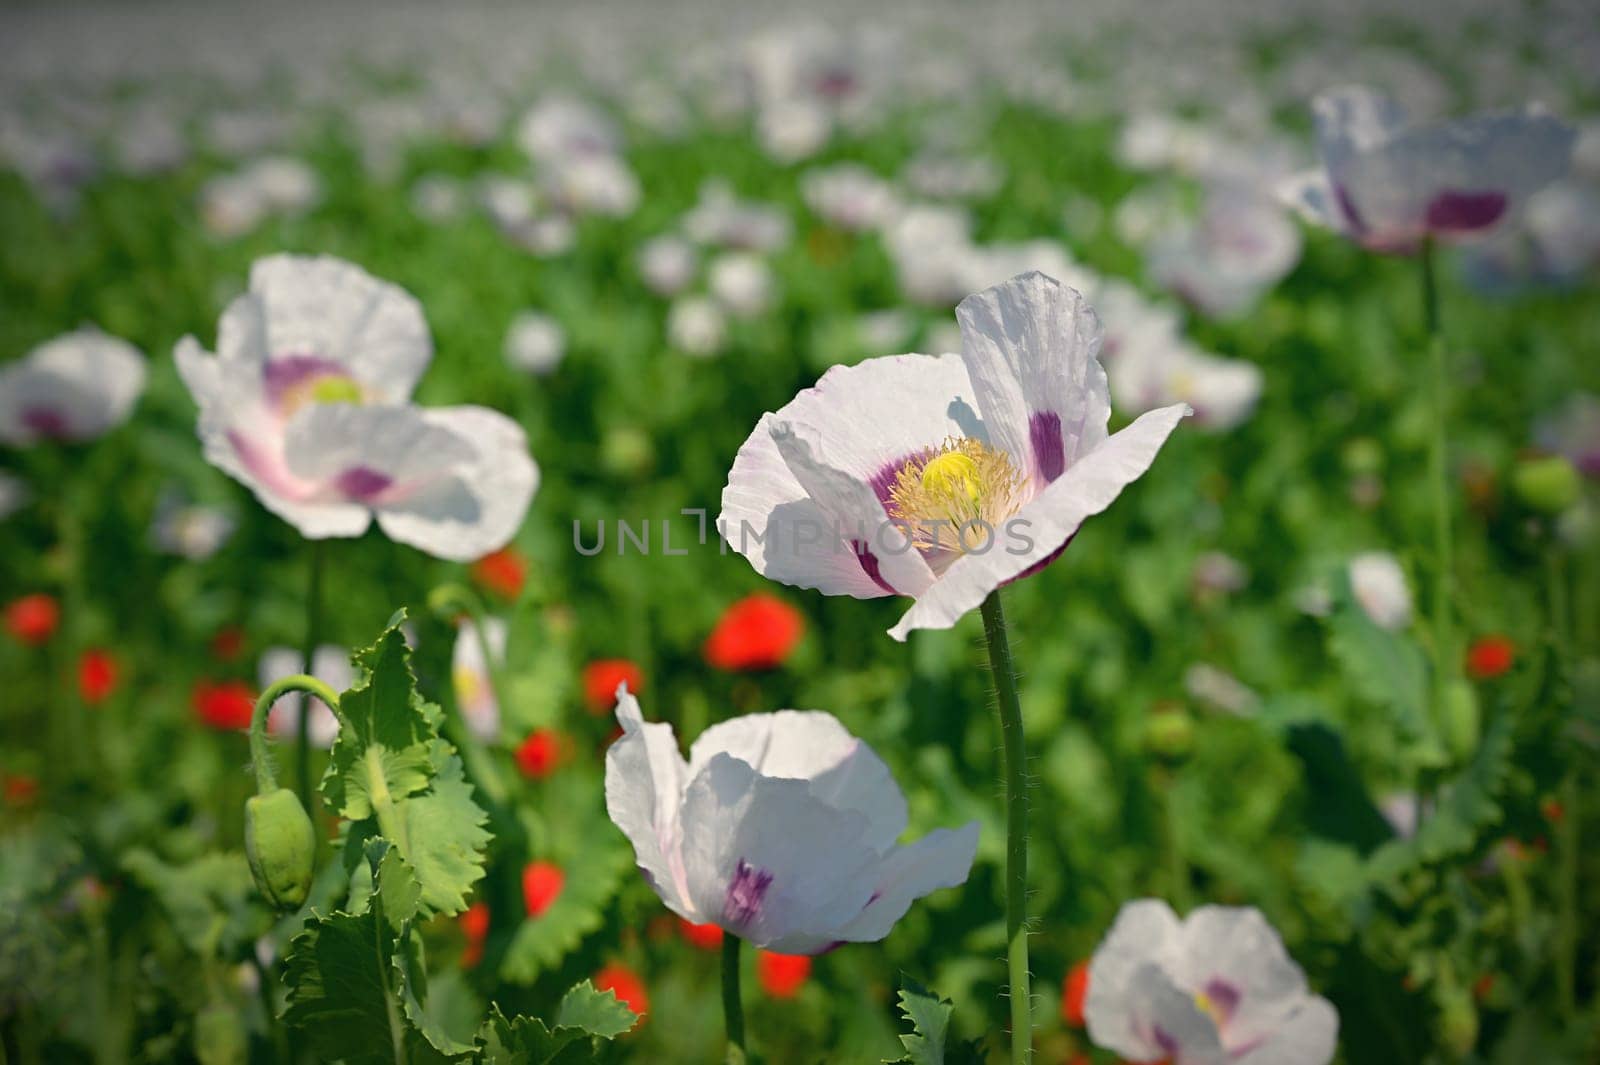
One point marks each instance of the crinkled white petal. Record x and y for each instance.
(645, 780)
(1087, 487)
(941, 859)
(1305, 1034)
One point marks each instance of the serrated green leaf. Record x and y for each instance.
(445, 835)
(600, 1013)
(1386, 668)
(528, 1041)
(411, 984)
(930, 1043)
(383, 735)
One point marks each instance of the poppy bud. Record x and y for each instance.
(1462, 720)
(1548, 485)
(1169, 734)
(281, 846)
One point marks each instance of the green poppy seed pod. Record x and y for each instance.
(281, 847)
(1169, 734)
(1549, 485)
(1462, 719)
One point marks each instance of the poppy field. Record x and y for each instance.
(696, 533)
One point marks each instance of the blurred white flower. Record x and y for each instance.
(741, 283)
(1573, 431)
(14, 494)
(331, 665)
(469, 673)
(535, 343)
(695, 326)
(593, 184)
(1216, 988)
(1380, 589)
(1219, 689)
(234, 204)
(1388, 183)
(438, 198)
(721, 218)
(559, 128)
(667, 264)
(946, 454)
(849, 196)
(195, 531)
(305, 404)
(782, 829)
(792, 130)
(76, 387)
(1241, 246)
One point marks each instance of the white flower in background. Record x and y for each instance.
(14, 494)
(1216, 988)
(511, 203)
(234, 204)
(535, 343)
(780, 828)
(438, 198)
(593, 184)
(548, 236)
(1240, 247)
(149, 142)
(885, 331)
(559, 128)
(668, 264)
(696, 326)
(76, 387)
(305, 404)
(1223, 392)
(469, 674)
(194, 531)
(1219, 689)
(849, 196)
(1379, 586)
(793, 130)
(933, 253)
(942, 477)
(1573, 432)
(1388, 184)
(721, 218)
(331, 665)
(741, 283)
(943, 176)
(1403, 811)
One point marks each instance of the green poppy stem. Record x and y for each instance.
(260, 756)
(1444, 656)
(732, 1008)
(1016, 772)
(302, 754)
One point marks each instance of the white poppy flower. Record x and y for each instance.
(1216, 988)
(193, 530)
(721, 218)
(667, 264)
(780, 828)
(535, 343)
(469, 674)
(742, 283)
(1387, 183)
(304, 405)
(849, 196)
(76, 387)
(331, 665)
(1241, 246)
(1379, 586)
(942, 477)
(696, 326)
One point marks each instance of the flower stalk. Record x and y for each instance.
(1444, 657)
(1015, 754)
(313, 634)
(732, 1007)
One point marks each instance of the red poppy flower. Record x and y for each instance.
(705, 936)
(227, 705)
(502, 572)
(33, 618)
(475, 926)
(757, 632)
(600, 680)
(541, 753)
(1073, 993)
(782, 975)
(20, 790)
(227, 644)
(97, 676)
(625, 984)
(1490, 656)
(541, 886)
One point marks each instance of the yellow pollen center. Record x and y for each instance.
(954, 497)
(325, 388)
(1206, 1005)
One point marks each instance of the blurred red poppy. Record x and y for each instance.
(227, 705)
(705, 936)
(757, 632)
(541, 753)
(541, 886)
(475, 926)
(33, 618)
(97, 675)
(626, 985)
(1490, 656)
(503, 572)
(600, 680)
(1073, 992)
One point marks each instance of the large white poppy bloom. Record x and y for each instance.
(1388, 184)
(1216, 988)
(780, 828)
(942, 477)
(305, 404)
(75, 387)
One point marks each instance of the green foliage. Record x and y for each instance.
(584, 1017)
(593, 877)
(929, 1042)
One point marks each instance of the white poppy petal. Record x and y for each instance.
(75, 387)
(645, 779)
(1030, 348)
(941, 859)
(1144, 930)
(1308, 1034)
(1088, 487)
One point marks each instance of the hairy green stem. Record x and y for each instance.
(732, 1008)
(313, 636)
(1569, 833)
(260, 756)
(1444, 656)
(1005, 686)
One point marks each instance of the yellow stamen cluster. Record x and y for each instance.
(949, 494)
(1206, 1005)
(324, 388)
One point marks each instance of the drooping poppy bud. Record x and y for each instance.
(280, 845)
(601, 678)
(757, 632)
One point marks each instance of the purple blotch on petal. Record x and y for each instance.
(869, 564)
(1463, 212)
(45, 421)
(746, 892)
(1049, 452)
(1166, 1041)
(1224, 997)
(362, 483)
